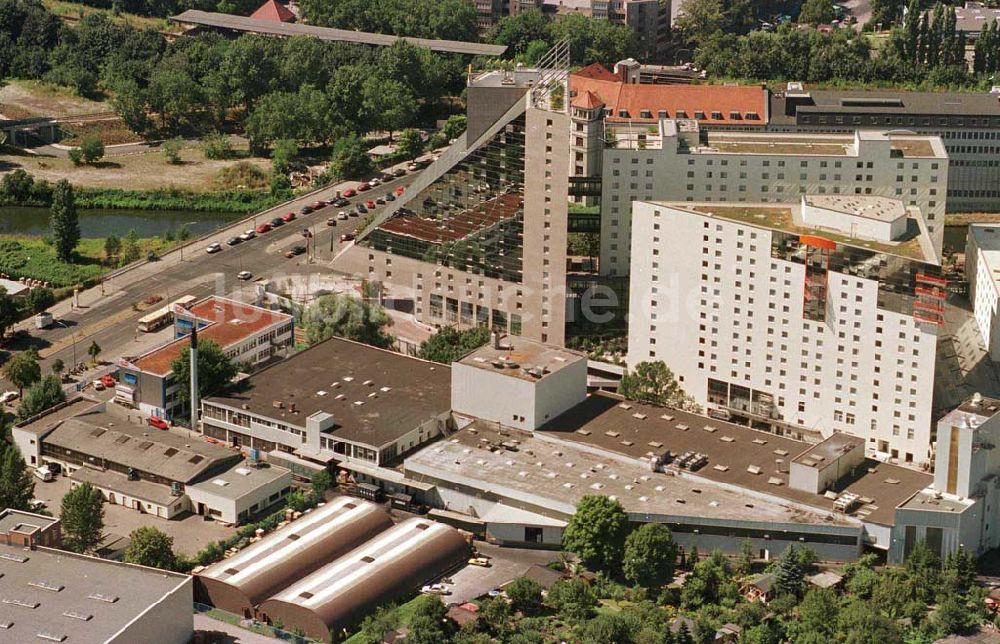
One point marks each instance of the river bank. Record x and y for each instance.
(32, 221)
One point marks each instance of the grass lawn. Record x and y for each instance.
(71, 12)
(21, 98)
(144, 171)
(32, 257)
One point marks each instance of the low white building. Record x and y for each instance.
(241, 492)
(768, 319)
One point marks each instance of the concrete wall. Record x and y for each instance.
(510, 398)
(229, 509)
(179, 505)
(560, 391)
(28, 445)
(169, 621)
(513, 534)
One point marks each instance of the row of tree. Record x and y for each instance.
(528, 35)
(931, 39)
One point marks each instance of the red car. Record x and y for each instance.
(318, 205)
(264, 228)
(364, 186)
(399, 191)
(158, 423)
(288, 216)
(108, 381)
(370, 205)
(346, 237)
(350, 192)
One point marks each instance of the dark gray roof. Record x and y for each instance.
(114, 439)
(87, 587)
(272, 28)
(397, 393)
(24, 522)
(887, 103)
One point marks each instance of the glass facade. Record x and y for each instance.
(471, 219)
(905, 285)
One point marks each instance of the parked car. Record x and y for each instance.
(264, 228)
(332, 221)
(374, 181)
(232, 241)
(244, 275)
(157, 422)
(342, 216)
(108, 381)
(290, 216)
(295, 250)
(214, 247)
(482, 562)
(390, 197)
(8, 397)
(413, 167)
(248, 235)
(364, 186)
(400, 190)
(36, 504)
(360, 209)
(350, 192)
(380, 200)
(98, 385)
(346, 237)
(318, 204)
(399, 172)
(435, 589)
(341, 202)
(277, 221)
(45, 474)
(370, 205)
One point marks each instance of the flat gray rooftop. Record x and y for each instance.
(23, 522)
(887, 103)
(607, 422)
(240, 480)
(829, 450)
(47, 421)
(272, 28)
(374, 396)
(551, 476)
(520, 355)
(112, 594)
(109, 436)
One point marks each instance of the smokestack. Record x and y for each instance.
(194, 375)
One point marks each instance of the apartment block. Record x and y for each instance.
(480, 237)
(675, 160)
(982, 269)
(805, 318)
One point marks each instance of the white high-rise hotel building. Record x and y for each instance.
(816, 316)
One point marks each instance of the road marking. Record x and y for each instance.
(76, 336)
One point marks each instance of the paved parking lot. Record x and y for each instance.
(191, 533)
(507, 564)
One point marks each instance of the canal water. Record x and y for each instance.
(101, 223)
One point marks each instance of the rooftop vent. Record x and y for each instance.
(45, 635)
(107, 599)
(83, 617)
(55, 588)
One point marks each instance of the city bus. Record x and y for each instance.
(163, 316)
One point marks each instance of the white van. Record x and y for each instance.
(45, 473)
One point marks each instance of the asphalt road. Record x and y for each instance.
(110, 319)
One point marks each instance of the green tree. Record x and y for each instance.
(92, 149)
(524, 594)
(58, 366)
(75, 156)
(350, 159)
(952, 617)
(454, 126)
(94, 350)
(606, 628)
(654, 382)
(817, 616)
(82, 517)
(17, 486)
(321, 482)
(215, 371)
(388, 104)
(494, 616)
(859, 623)
(112, 247)
(39, 299)
(63, 221)
(149, 546)
(129, 102)
(817, 12)
(410, 144)
(744, 563)
(42, 395)
(650, 556)
(283, 154)
(959, 571)
(596, 532)
(17, 185)
(9, 311)
(23, 370)
(347, 317)
(172, 150)
(131, 249)
(593, 40)
(216, 146)
(449, 344)
(518, 31)
(572, 598)
(789, 574)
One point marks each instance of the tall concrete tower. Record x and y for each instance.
(194, 375)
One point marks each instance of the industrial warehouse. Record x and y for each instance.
(323, 572)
